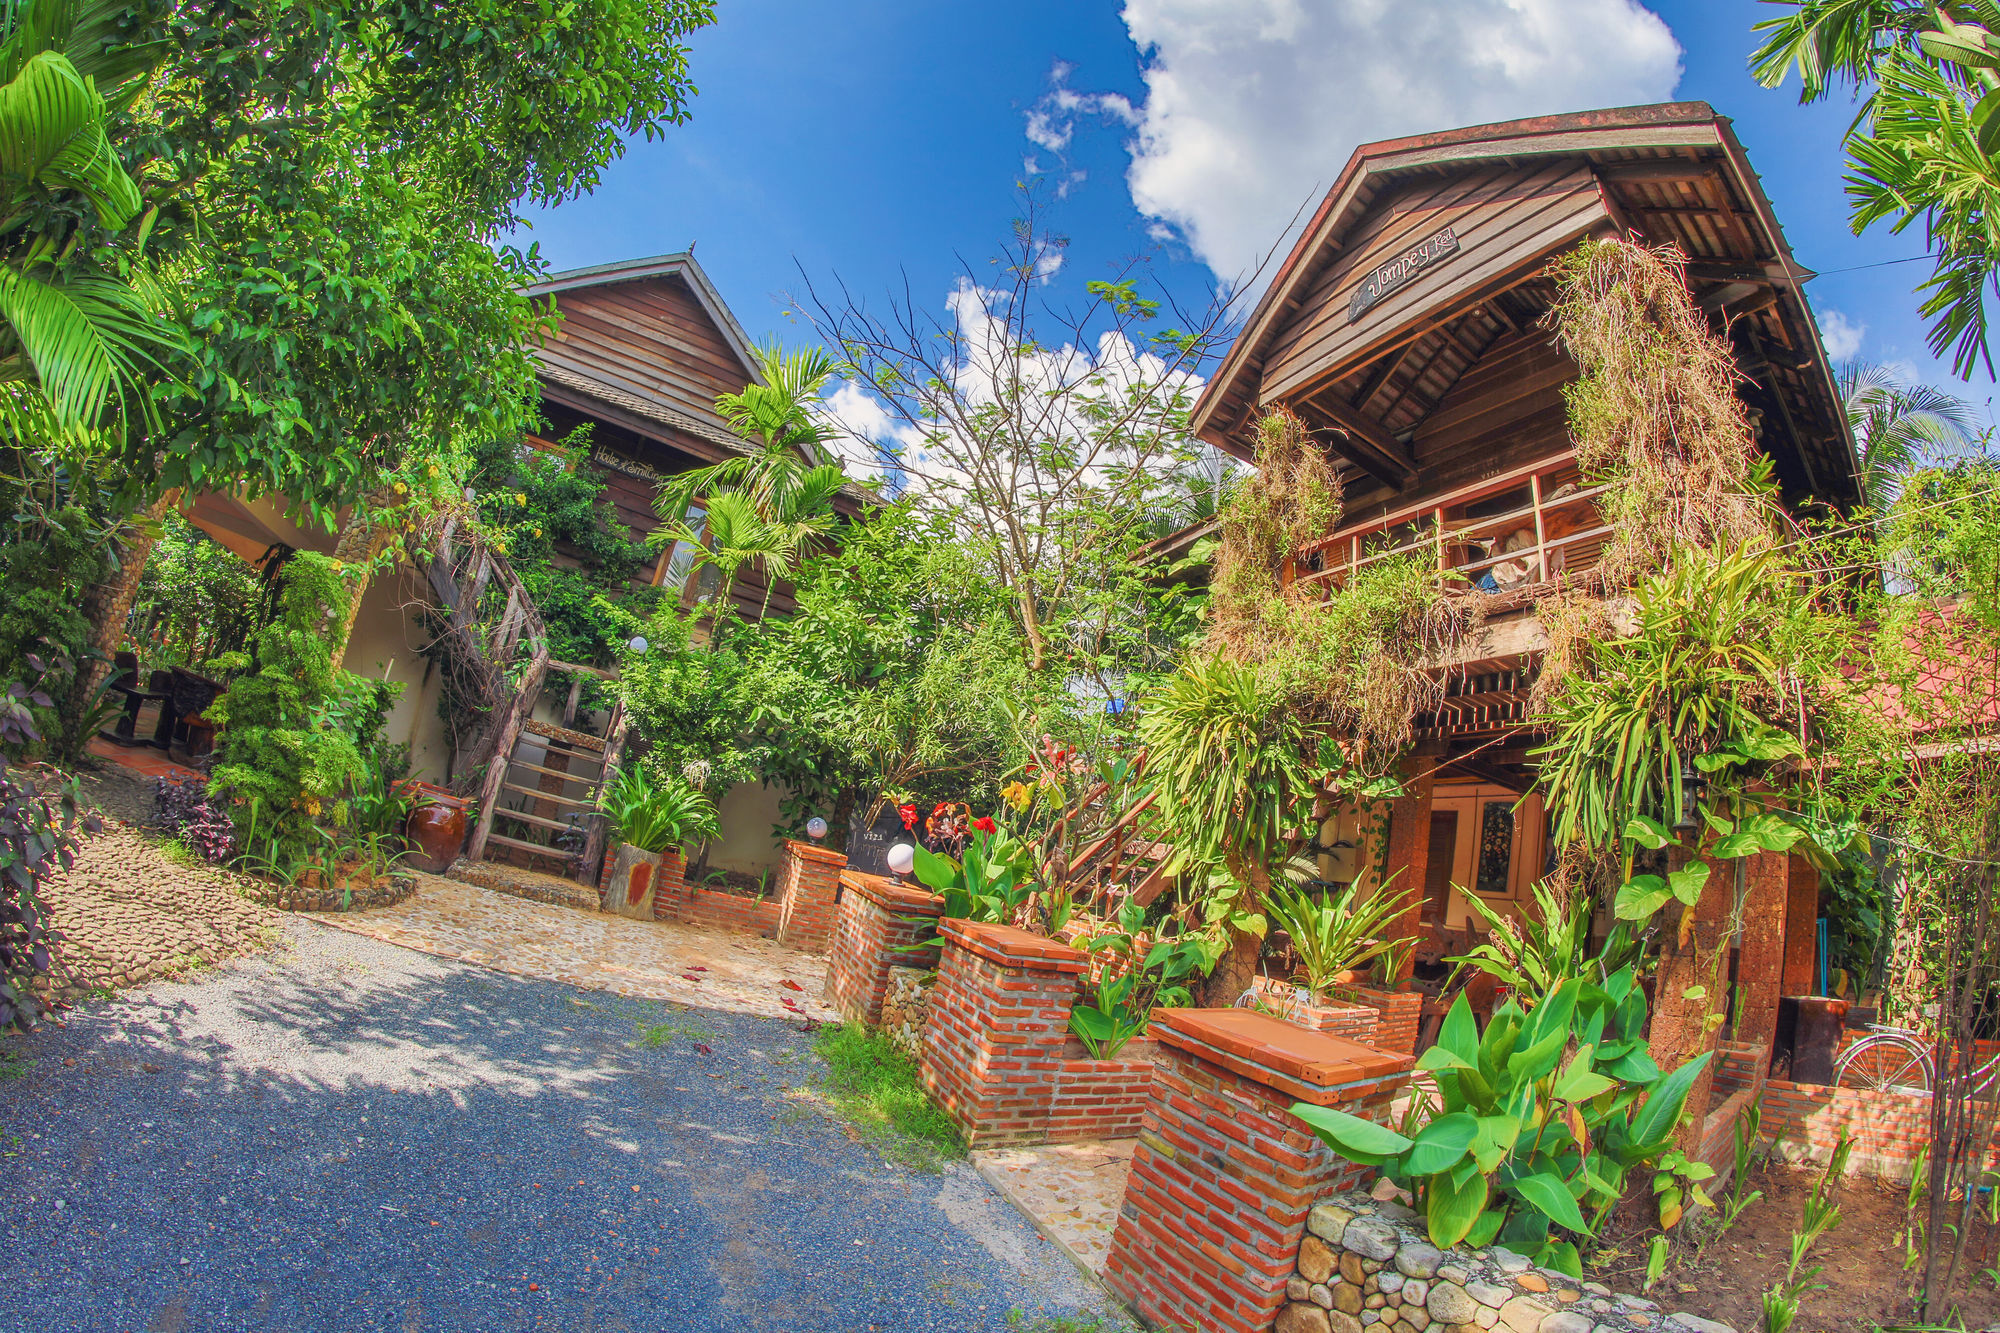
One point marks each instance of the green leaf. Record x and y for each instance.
(1437, 1058)
(1552, 1198)
(937, 872)
(1486, 1228)
(1641, 897)
(1451, 1210)
(1579, 1083)
(1459, 1033)
(1688, 882)
(1360, 1140)
(1662, 1111)
(1648, 832)
(1441, 1145)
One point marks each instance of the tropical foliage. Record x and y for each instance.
(655, 816)
(1543, 1118)
(1341, 931)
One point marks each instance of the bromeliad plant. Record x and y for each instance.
(654, 816)
(1527, 1146)
(1334, 935)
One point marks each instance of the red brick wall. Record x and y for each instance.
(706, 907)
(1101, 1099)
(1224, 1174)
(875, 917)
(1886, 1128)
(1397, 1015)
(999, 1019)
(808, 887)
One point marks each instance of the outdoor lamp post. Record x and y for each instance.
(815, 828)
(902, 859)
(638, 643)
(1692, 786)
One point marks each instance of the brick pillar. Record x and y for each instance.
(1760, 963)
(999, 1019)
(876, 917)
(670, 886)
(1409, 852)
(1397, 1015)
(806, 895)
(1224, 1174)
(1801, 926)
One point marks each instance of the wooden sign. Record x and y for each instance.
(1398, 271)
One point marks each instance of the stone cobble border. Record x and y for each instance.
(1364, 1264)
(346, 897)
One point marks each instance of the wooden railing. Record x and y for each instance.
(1545, 506)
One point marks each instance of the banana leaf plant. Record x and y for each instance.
(1539, 1122)
(991, 882)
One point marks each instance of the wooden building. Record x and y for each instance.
(1405, 329)
(642, 350)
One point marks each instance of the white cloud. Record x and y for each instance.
(1840, 335)
(1052, 120)
(867, 438)
(1253, 106)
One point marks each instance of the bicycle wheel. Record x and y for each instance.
(1884, 1062)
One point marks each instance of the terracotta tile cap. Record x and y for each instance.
(1252, 1042)
(806, 851)
(896, 897)
(1011, 947)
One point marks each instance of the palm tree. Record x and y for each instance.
(1899, 427)
(775, 505)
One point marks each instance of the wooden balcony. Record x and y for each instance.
(1523, 528)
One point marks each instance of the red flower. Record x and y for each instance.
(909, 814)
(940, 808)
(985, 825)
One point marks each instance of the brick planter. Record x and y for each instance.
(1295, 1004)
(1224, 1175)
(1887, 1129)
(1398, 1013)
(808, 888)
(997, 1053)
(999, 1021)
(876, 916)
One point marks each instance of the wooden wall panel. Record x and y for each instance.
(1503, 218)
(649, 337)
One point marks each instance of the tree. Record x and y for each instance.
(1931, 132)
(1048, 428)
(1899, 427)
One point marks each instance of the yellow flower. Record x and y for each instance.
(520, 499)
(1017, 794)
(433, 470)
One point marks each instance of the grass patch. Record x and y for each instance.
(874, 1087)
(653, 1036)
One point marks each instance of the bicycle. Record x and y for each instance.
(1900, 1061)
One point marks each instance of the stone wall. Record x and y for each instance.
(906, 1007)
(343, 893)
(808, 890)
(1365, 1264)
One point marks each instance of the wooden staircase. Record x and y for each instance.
(1122, 854)
(532, 785)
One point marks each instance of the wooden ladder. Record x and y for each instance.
(536, 802)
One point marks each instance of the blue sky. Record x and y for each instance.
(882, 142)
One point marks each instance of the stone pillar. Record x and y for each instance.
(1689, 987)
(1409, 851)
(807, 892)
(1801, 926)
(1225, 1175)
(876, 917)
(999, 1019)
(1760, 961)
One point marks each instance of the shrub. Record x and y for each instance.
(654, 816)
(181, 806)
(1523, 1141)
(40, 831)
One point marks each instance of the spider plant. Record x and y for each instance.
(1334, 934)
(654, 816)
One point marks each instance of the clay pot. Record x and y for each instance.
(437, 827)
(629, 888)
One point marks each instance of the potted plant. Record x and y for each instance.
(649, 818)
(1333, 939)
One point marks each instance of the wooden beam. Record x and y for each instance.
(1662, 173)
(1366, 444)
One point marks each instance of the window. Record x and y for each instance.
(673, 570)
(1496, 848)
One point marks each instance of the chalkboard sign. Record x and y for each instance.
(868, 844)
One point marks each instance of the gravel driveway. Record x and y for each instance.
(345, 1135)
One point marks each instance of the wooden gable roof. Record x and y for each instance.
(651, 340)
(1407, 313)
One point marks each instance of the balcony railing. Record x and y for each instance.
(1531, 525)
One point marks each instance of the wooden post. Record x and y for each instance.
(596, 832)
(1542, 574)
(1408, 858)
(503, 749)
